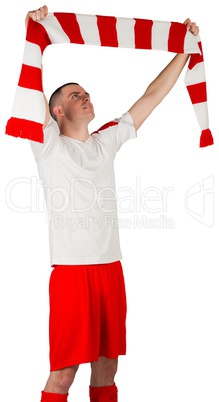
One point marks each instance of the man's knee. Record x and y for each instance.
(103, 372)
(67, 376)
(61, 380)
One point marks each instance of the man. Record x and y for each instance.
(87, 292)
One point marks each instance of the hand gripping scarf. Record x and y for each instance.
(28, 112)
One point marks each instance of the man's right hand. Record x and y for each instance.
(36, 15)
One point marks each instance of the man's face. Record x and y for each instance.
(76, 104)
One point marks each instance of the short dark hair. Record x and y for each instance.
(55, 96)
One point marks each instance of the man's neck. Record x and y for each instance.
(77, 131)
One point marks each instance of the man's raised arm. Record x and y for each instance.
(162, 84)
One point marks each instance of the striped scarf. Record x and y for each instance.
(28, 112)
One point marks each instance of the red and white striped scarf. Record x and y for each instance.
(28, 111)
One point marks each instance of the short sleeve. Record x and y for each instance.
(125, 130)
(115, 133)
(51, 142)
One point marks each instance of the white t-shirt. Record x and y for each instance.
(79, 186)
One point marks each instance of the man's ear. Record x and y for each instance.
(58, 111)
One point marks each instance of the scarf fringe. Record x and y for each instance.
(26, 129)
(206, 138)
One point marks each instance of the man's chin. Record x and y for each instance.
(92, 116)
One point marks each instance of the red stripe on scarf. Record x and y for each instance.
(27, 129)
(197, 92)
(105, 126)
(143, 33)
(36, 33)
(31, 78)
(176, 38)
(70, 26)
(196, 58)
(107, 31)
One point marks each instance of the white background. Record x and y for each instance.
(171, 273)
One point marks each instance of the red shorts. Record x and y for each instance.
(87, 313)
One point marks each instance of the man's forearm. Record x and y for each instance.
(165, 81)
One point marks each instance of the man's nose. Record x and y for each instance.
(86, 98)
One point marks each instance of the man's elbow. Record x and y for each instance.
(154, 98)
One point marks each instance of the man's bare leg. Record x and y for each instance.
(103, 372)
(102, 382)
(60, 381)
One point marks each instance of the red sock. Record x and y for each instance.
(103, 394)
(50, 397)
